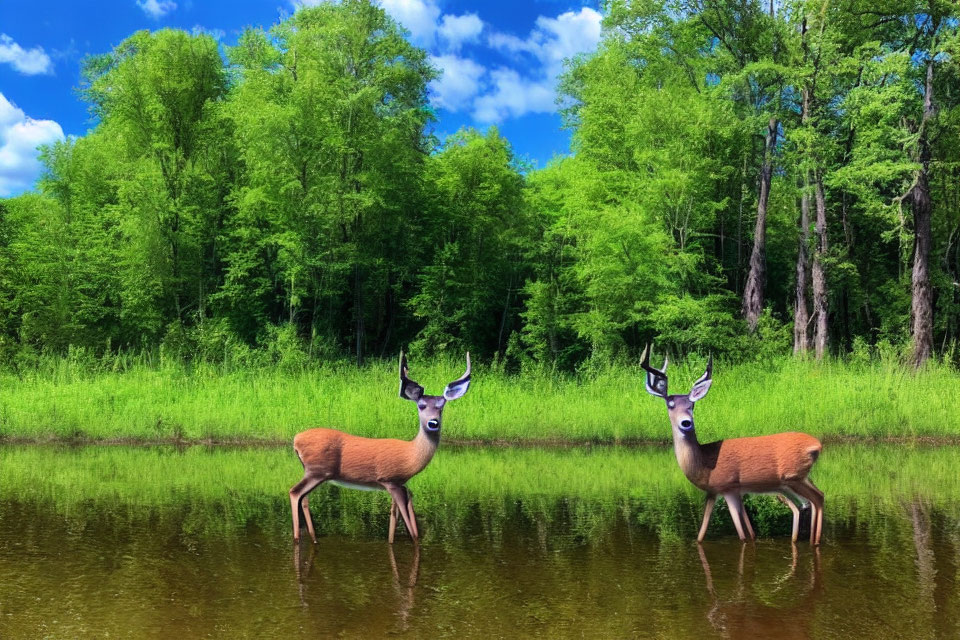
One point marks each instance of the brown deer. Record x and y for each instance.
(775, 464)
(374, 463)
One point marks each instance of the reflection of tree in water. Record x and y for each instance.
(745, 615)
(919, 515)
(936, 542)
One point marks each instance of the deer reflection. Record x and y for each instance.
(302, 572)
(405, 592)
(404, 589)
(744, 615)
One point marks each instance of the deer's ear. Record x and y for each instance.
(656, 379)
(458, 387)
(701, 386)
(699, 390)
(656, 385)
(410, 390)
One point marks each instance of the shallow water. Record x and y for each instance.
(108, 559)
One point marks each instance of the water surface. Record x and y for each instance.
(162, 542)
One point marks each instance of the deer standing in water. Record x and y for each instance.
(775, 464)
(374, 463)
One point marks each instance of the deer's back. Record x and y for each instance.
(354, 459)
(762, 461)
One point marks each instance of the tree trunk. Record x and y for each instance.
(820, 328)
(801, 314)
(753, 291)
(921, 311)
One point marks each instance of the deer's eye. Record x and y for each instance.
(670, 404)
(422, 406)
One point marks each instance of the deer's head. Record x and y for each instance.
(679, 407)
(430, 408)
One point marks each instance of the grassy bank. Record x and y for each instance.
(174, 403)
(579, 492)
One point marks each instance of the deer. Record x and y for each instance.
(372, 464)
(777, 464)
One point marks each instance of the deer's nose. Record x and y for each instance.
(686, 424)
(433, 424)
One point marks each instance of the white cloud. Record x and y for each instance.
(418, 16)
(554, 39)
(565, 36)
(550, 42)
(26, 61)
(513, 96)
(456, 30)
(156, 9)
(19, 138)
(459, 83)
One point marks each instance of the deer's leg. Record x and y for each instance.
(805, 492)
(393, 520)
(796, 515)
(809, 483)
(399, 493)
(413, 517)
(734, 505)
(746, 520)
(299, 490)
(707, 512)
(305, 505)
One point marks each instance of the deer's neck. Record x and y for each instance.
(422, 449)
(689, 456)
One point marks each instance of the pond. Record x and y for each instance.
(580, 542)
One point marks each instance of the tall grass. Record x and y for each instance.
(173, 402)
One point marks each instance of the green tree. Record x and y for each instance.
(329, 113)
(472, 243)
(156, 97)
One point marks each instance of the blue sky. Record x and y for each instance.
(500, 61)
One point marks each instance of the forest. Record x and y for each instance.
(747, 179)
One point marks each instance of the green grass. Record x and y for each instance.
(581, 491)
(62, 401)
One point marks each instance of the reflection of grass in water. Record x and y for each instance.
(65, 400)
(576, 493)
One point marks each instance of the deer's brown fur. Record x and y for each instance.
(335, 455)
(756, 464)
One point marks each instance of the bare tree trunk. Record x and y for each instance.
(801, 314)
(821, 328)
(753, 291)
(921, 311)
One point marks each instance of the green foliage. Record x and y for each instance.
(289, 205)
(329, 113)
(472, 239)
